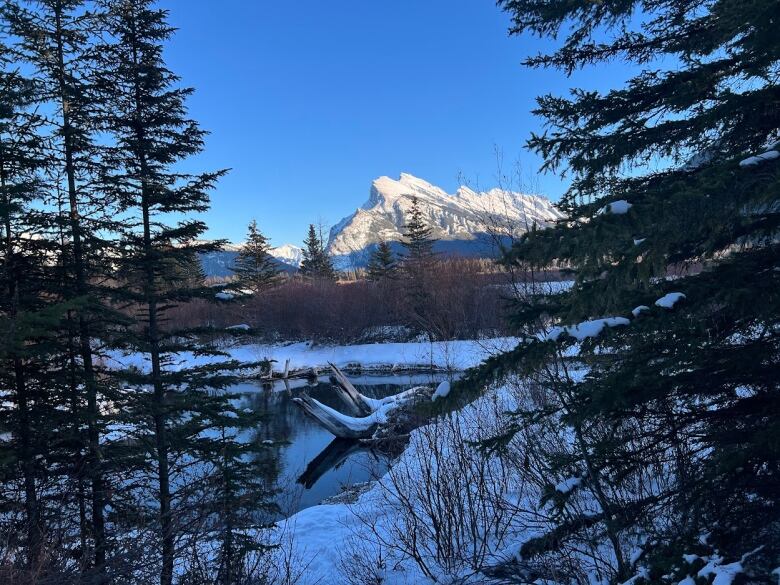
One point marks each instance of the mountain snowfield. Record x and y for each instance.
(289, 254)
(466, 222)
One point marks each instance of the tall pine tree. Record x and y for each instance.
(55, 38)
(145, 114)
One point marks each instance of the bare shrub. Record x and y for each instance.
(463, 298)
(450, 506)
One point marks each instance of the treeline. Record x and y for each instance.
(109, 474)
(416, 293)
(464, 299)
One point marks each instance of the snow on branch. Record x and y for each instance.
(752, 161)
(619, 207)
(669, 300)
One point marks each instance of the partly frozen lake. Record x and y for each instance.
(312, 466)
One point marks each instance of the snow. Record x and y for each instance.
(567, 485)
(442, 355)
(619, 207)
(638, 241)
(224, 296)
(442, 390)
(639, 310)
(457, 216)
(360, 424)
(320, 535)
(242, 327)
(724, 574)
(288, 254)
(641, 573)
(585, 329)
(759, 158)
(669, 300)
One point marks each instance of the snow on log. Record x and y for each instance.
(371, 412)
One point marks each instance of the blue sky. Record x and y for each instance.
(308, 101)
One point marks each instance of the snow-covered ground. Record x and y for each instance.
(367, 533)
(440, 355)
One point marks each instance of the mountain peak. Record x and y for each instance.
(465, 217)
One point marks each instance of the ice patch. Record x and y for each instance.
(639, 310)
(224, 296)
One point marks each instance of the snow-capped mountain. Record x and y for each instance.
(466, 222)
(289, 254)
(221, 263)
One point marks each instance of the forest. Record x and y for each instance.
(597, 404)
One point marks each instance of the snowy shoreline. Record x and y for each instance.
(301, 357)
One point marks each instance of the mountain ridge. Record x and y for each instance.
(458, 220)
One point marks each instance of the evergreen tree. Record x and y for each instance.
(316, 262)
(255, 268)
(54, 37)
(22, 308)
(382, 264)
(145, 114)
(416, 266)
(671, 433)
(417, 236)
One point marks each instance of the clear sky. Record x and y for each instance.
(308, 101)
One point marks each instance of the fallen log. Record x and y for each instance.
(371, 413)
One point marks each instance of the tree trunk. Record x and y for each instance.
(85, 350)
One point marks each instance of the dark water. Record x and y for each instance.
(312, 465)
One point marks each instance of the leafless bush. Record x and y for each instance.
(452, 505)
(464, 298)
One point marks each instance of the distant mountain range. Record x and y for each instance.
(466, 223)
(220, 264)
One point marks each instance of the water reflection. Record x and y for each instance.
(308, 464)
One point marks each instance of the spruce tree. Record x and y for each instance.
(22, 278)
(382, 264)
(416, 265)
(316, 262)
(146, 116)
(417, 236)
(255, 268)
(55, 38)
(671, 430)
